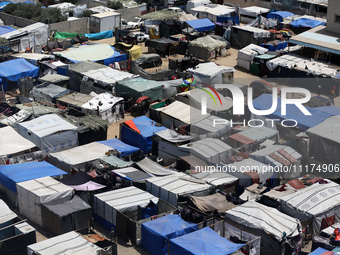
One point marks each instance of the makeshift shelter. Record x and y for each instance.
(206, 126)
(241, 36)
(280, 15)
(105, 105)
(202, 241)
(250, 13)
(56, 79)
(213, 12)
(13, 144)
(138, 87)
(138, 132)
(72, 242)
(268, 223)
(176, 188)
(47, 92)
(317, 203)
(74, 99)
(156, 234)
(50, 133)
(96, 52)
(153, 168)
(247, 54)
(212, 74)
(207, 48)
(211, 203)
(324, 140)
(34, 58)
(13, 70)
(59, 217)
(31, 194)
(215, 178)
(130, 205)
(10, 175)
(201, 25)
(307, 23)
(123, 148)
(162, 46)
(111, 162)
(130, 175)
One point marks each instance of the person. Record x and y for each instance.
(332, 96)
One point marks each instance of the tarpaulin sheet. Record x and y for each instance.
(320, 251)
(131, 174)
(117, 144)
(331, 109)
(5, 213)
(12, 174)
(203, 241)
(303, 22)
(16, 69)
(6, 29)
(65, 35)
(157, 233)
(116, 162)
(100, 35)
(88, 186)
(279, 15)
(76, 179)
(153, 168)
(201, 25)
(135, 52)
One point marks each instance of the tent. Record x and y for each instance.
(268, 223)
(47, 92)
(138, 132)
(56, 79)
(81, 181)
(207, 47)
(100, 35)
(13, 70)
(32, 193)
(247, 35)
(138, 87)
(206, 126)
(319, 202)
(331, 109)
(111, 162)
(253, 11)
(153, 168)
(309, 23)
(201, 25)
(72, 242)
(59, 217)
(216, 178)
(211, 203)
(6, 29)
(156, 234)
(120, 207)
(280, 15)
(50, 133)
(212, 74)
(130, 174)
(105, 105)
(247, 54)
(173, 188)
(203, 241)
(123, 148)
(74, 99)
(34, 58)
(95, 52)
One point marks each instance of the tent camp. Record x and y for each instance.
(118, 207)
(72, 242)
(10, 175)
(156, 234)
(246, 55)
(201, 25)
(319, 203)
(139, 87)
(15, 144)
(268, 223)
(203, 241)
(32, 193)
(176, 188)
(212, 74)
(206, 48)
(47, 92)
(105, 105)
(139, 131)
(13, 70)
(50, 133)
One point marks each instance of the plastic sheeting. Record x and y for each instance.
(201, 25)
(203, 241)
(173, 137)
(257, 32)
(154, 168)
(47, 92)
(130, 174)
(216, 178)
(280, 15)
(5, 213)
(100, 35)
(12, 174)
(88, 186)
(253, 11)
(157, 234)
(208, 43)
(123, 148)
(304, 22)
(6, 29)
(14, 70)
(331, 109)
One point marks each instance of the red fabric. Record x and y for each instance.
(327, 221)
(296, 184)
(132, 125)
(141, 99)
(254, 176)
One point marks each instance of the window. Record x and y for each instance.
(337, 18)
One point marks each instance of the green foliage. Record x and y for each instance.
(115, 4)
(87, 13)
(35, 12)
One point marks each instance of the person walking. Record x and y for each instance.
(332, 96)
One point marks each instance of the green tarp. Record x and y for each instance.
(64, 35)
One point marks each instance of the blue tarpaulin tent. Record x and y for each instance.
(156, 234)
(304, 22)
(138, 132)
(333, 110)
(123, 148)
(201, 25)
(6, 29)
(100, 35)
(201, 242)
(319, 251)
(10, 175)
(14, 70)
(279, 15)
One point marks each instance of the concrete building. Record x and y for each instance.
(333, 16)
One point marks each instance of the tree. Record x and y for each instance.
(115, 4)
(87, 13)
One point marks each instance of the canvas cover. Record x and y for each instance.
(31, 194)
(116, 162)
(247, 54)
(14, 142)
(138, 87)
(54, 78)
(208, 43)
(124, 200)
(211, 203)
(257, 32)
(10, 175)
(206, 126)
(6, 214)
(74, 99)
(100, 35)
(253, 11)
(216, 178)
(34, 58)
(130, 174)
(50, 133)
(203, 241)
(309, 23)
(157, 234)
(280, 15)
(172, 136)
(201, 25)
(47, 92)
(123, 148)
(153, 168)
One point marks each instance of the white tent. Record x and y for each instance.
(107, 106)
(253, 11)
(246, 55)
(170, 188)
(216, 178)
(6, 214)
(50, 133)
(319, 202)
(153, 168)
(31, 194)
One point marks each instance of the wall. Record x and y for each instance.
(14, 20)
(74, 26)
(129, 13)
(333, 9)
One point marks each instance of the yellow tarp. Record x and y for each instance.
(135, 52)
